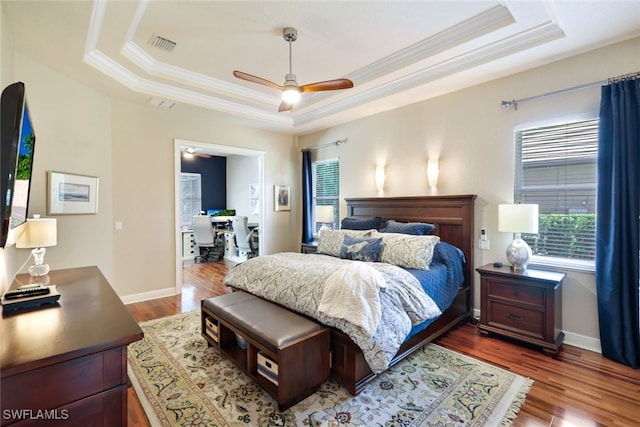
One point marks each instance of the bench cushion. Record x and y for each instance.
(267, 322)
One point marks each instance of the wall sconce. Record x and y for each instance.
(380, 178)
(433, 170)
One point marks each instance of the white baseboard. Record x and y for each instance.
(146, 296)
(582, 341)
(570, 338)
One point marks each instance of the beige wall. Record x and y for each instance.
(143, 187)
(242, 171)
(473, 137)
(131, 149)
(72, 124)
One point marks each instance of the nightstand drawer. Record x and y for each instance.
(517, 319)
(526, 305)
(520, 294)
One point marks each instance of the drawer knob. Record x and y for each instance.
(514, 317)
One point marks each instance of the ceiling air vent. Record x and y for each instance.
(162, 43)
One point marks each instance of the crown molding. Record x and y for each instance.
(518, 42)
(259, 104)
(476, 26)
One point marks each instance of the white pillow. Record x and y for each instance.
(331, 240)
(407, 251)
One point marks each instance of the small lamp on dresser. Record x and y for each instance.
(38, 234)
(518, 219)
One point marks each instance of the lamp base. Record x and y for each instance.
(39, 268)
(519, 254)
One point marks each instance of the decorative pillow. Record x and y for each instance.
(331, 240)
(370, 223)
(407, 251)
(413, 228)
(358, 249)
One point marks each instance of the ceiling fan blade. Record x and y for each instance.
(327, 85)
(284, 106)
(256, 79)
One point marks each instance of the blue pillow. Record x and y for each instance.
(412, 228)
(370, 223)
(357, 249)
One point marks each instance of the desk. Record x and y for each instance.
(69, 359)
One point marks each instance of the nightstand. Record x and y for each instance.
(309, 248)
(525, 305)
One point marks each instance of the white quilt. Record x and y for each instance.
(298, 281)
(352, 293)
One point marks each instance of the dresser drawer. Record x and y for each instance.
(517, 319)
(522, 294)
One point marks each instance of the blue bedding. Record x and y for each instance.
(443, 279)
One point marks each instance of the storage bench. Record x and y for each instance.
(284, 352)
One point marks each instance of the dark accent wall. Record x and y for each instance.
(213, 173)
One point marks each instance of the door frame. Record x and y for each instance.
(217, 150)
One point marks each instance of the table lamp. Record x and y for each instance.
(518, 219)
(38, 234)
(324, 215)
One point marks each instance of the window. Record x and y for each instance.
(190, 197)
(326, 191)
(555, 168)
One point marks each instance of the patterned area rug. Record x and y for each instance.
(182, 382)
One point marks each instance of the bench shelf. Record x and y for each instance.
(300, 366)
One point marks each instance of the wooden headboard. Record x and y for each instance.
(453, 217)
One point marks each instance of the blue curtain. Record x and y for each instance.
(307, 198)
(617, 216)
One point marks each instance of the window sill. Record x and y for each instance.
(563, 264)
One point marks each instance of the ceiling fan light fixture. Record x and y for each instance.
(291, 94)
(291, 90)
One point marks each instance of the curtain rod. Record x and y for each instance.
(506, 105)
(329, 144)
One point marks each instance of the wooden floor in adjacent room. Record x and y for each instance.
(578, 388)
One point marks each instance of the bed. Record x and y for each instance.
(301, 281)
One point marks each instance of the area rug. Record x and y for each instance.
(182, 382)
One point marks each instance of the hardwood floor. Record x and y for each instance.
(577, 388)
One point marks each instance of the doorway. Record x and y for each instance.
(238, 154)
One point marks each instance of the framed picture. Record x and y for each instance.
(254, 199)
(70, 194)
(281, 198)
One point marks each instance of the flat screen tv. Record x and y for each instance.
(17, 143)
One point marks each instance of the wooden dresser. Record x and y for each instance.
(525, 305)
(67, 364)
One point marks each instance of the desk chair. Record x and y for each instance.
(244, 237)
(206, 238)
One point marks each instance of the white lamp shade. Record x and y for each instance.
(38, 233)
(518, 218)
(324, 213)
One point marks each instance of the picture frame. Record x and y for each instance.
(254, 199)
(71, 194)
(281, 198)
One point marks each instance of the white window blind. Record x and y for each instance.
(326, 189)
(190, 196)
(555, 168)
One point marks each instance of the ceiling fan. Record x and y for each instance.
(291, 90)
